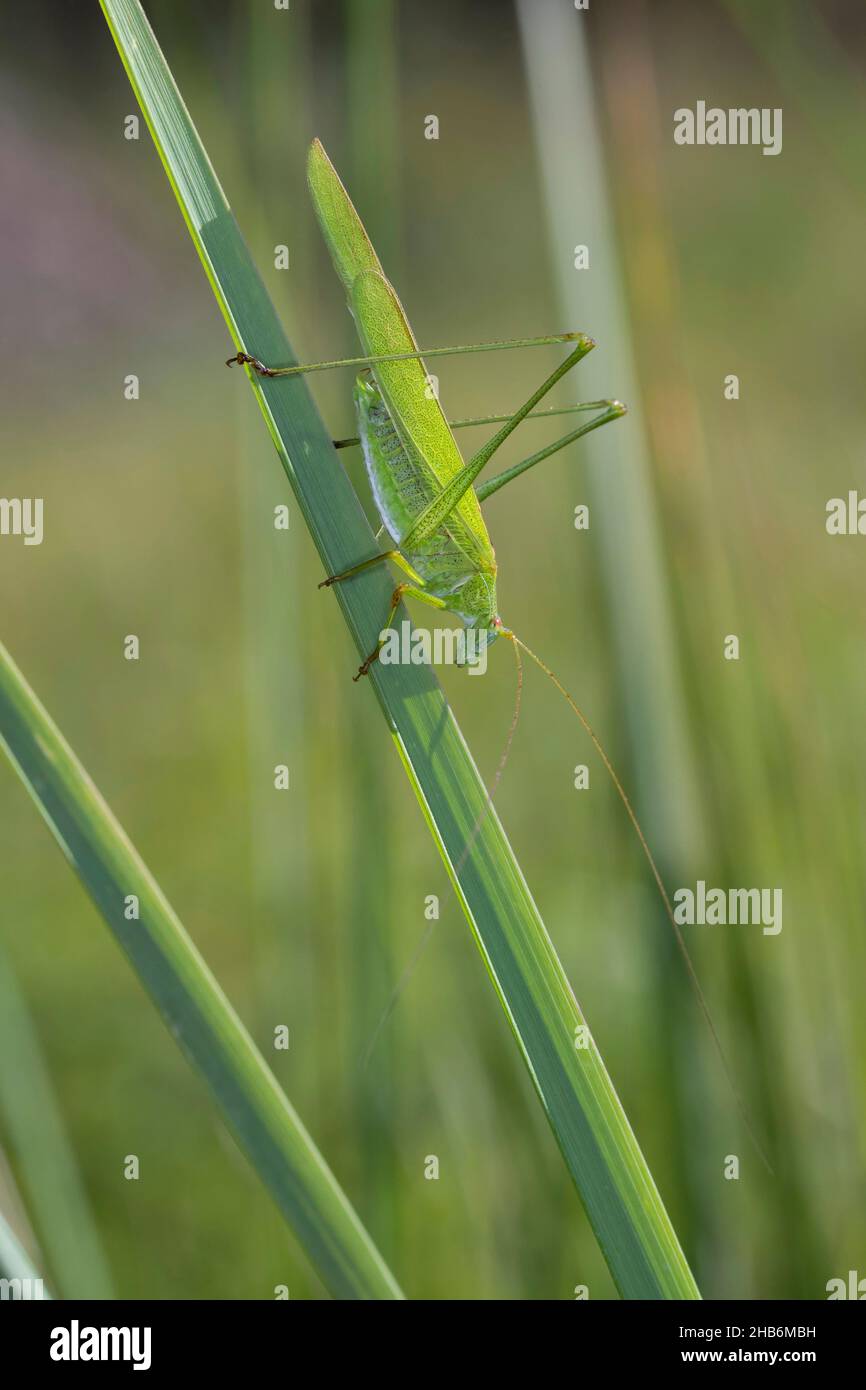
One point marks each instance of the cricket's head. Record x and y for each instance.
(492, 629)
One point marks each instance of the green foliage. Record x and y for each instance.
(589, 1123)
(188, 997)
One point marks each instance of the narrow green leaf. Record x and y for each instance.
(587, 1118)
(188, 997)
(56, 1198)
(17, 1267)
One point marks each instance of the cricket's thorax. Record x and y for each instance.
(475, 604)
(403, 485)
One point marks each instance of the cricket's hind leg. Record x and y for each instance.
(612, 410)
(407, 590)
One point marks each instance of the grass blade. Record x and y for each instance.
(629, 541)
(372, 123)
(189, 998)
(587, 1118)
(15, 1263)
(47, 1169)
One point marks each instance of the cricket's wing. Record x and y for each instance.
(350, 247)
(416, 413)
(429, 450)
(403, 486)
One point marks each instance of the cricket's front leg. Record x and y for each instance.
(393, 555)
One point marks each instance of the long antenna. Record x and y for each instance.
(695, 982)
(473, 835)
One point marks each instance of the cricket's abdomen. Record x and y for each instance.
(403, 485)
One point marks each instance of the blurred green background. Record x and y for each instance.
(707, 519)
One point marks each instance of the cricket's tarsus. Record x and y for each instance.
(243, 359)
